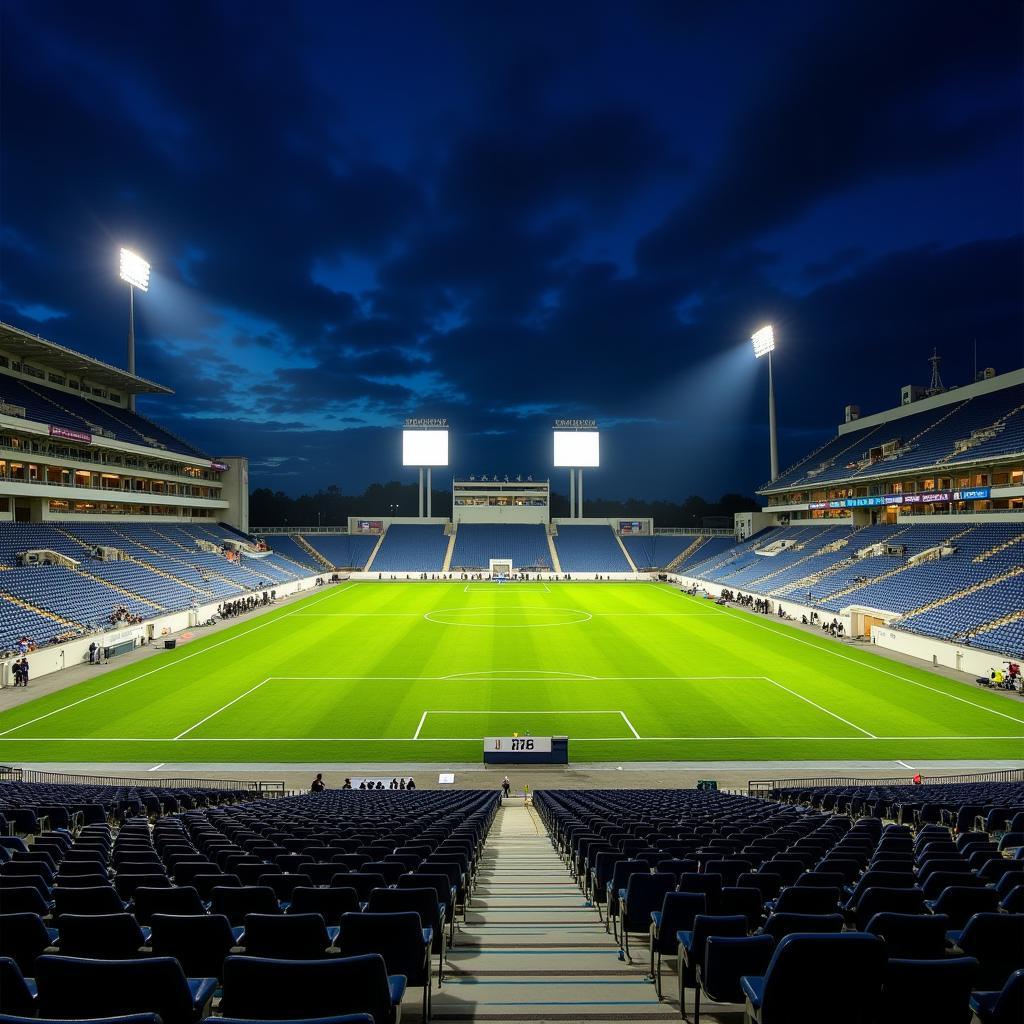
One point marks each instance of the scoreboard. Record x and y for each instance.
(526, 750)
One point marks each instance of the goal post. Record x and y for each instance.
(501, 568)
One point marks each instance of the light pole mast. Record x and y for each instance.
(764, 344)
(134, 271)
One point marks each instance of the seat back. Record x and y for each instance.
(100, 936)
(910, 936)
(72, 988)
(199, 942)
(15, 995)
(235, 902)
(397, 937)
(937, 991)
(997, 941)
(799, 984)
(779, 925)
(877, 899)
(23, 937)
(291, 937)
(644, 893)
(727, 958)
(329, 902)
(272, 989)
(182, 899)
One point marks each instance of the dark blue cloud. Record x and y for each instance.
(504, 214)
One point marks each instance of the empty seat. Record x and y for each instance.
(291, 937)
(100, 936)
(267, 989)
(199, 942)
(75, 988)
(1004, 1006)
(23, 937)
(937, 991)
(727, 959)
(911, 936)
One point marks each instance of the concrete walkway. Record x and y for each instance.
(532, 950)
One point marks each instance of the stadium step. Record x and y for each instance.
(632, 564)
(376, 548)
(553, 551)
(985, 555)
(306, 546)
(698, 543)
(452, 533)
(532, 949)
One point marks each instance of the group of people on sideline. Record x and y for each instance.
(318, 785)
(229, 609)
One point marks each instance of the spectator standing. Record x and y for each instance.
(506, 786)
(317, 786)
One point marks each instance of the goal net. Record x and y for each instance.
(501, 568)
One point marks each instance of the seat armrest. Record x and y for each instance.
(202, 990)
(238, 934)
(396, 986)
(953, 937)
(753, 989)
(333, 931)
(656, 918)
(428, 936)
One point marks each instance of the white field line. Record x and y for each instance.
(567, 678)
(168, 664)
(220, 709)
(629, 724)
(840, 718)
(864, 664)
(154, 768)
(905, 765)
(652, 615)
(416, 734)
(463, 739)
(483, 587)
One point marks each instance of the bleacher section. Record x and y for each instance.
(409, 547)
(657, 551)
(589, 549)
(288, 546)
(477, 543)
(62, 409)
(343, 551)
(990, 425)
(794, 891)
(165, 570)
(951, 597)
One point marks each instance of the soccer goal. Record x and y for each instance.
(501, 568)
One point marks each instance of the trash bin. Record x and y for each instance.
(169, 645)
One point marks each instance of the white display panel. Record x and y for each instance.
(424, 447)
(577, 449)
(517, 744)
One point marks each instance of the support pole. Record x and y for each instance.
(772, 435)
(421, 492)
(430, 487)
(131, 341)
(572, 493)
(579, 494)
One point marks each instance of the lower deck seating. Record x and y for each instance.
(589, 549)
(412, 547)
(343, 550)
(477, 543)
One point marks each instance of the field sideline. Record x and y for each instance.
(419, 672)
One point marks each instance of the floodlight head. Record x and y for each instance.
(134, 270)
(763, 341)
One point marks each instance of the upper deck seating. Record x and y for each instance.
(343, 550)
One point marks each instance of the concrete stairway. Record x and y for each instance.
(532, 950)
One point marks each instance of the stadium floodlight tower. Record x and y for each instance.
(577, 446)
(134, 270)
(764, 344)
(425, 445)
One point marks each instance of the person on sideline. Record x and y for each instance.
(317, 785)
(506, 786)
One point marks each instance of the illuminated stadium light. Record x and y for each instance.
(763, 341)
(134, 270)
(576, 449)
(424, 447)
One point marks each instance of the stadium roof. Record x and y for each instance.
(66, 359)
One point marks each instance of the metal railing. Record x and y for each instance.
(761, 787)
(257, 788)
(257, 531)
(692, 531)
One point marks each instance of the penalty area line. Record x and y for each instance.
(840, 718)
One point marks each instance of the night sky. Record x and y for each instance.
(506, 212)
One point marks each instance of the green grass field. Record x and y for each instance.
(422, 671)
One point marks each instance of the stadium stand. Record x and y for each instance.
(288, 546)
(589, 549)
(412, 548)
(660, 551)
(343, 551)
(744, 873)
(477, 543)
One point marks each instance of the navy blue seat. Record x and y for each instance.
(23, 937)
(911, 936)
(960, 903)
(421, 901)
(131, 1018)
(877, 900)
(24, 899)
(330, 903)
(642, 896)
(400, 939)
(1005, 1006)
(798, 986)
(148, 901)
(677, 913)
(265, 989)
(199, 942)
(727, 959)
(17, 995)
(778, 926)
(100, 899)
(936, 991)
(996, 941)
(75, 988)
(234, 902)
(691, 943)
(101, 936)
(287, 937)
